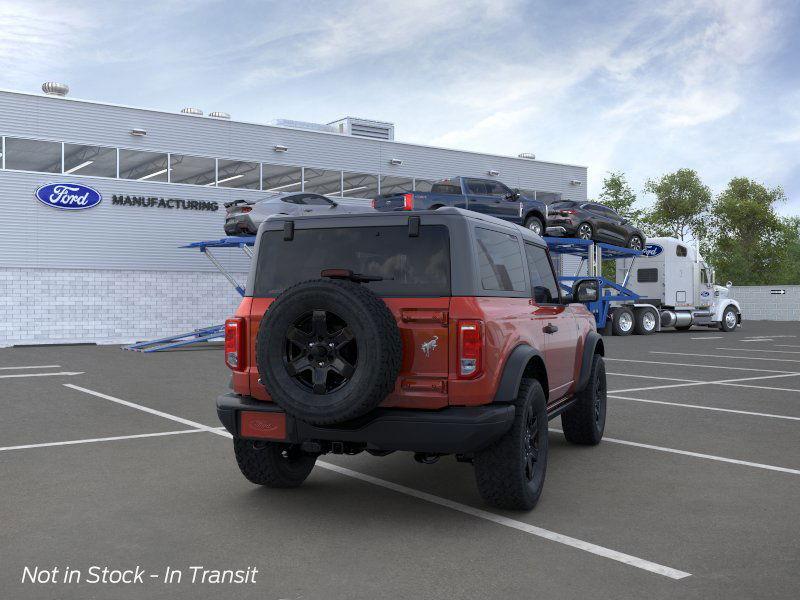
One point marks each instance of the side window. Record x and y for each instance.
(647, 275)
(681, 251)
(499, 261)
(476, 186)
(704, 276)
(543, 281)
(495, 188)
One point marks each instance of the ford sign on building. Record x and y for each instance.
(108, 196)
(68, 196)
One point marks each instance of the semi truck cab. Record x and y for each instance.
(672, 276)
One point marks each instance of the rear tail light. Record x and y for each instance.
(234, 343)
(566, 213)
(246, 209)
(470, 349)
(408, 201)
(374, 202)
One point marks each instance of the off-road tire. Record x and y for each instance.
(641, 325)
(532, 221)
(271, 464)
(618, 323)
(373, 329)
(584, 422)
(500, 469)
(723, 325)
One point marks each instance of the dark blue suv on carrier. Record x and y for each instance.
(486, 196)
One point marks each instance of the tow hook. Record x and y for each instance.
(426, 458)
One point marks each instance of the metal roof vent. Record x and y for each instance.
(192, 111)
(51, 88)
(527, 155)
(219, 115)
(376, 130)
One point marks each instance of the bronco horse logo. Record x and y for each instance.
(429, 346)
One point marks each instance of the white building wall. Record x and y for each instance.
(759, 303)
(114, 274)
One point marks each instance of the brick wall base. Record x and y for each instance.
(52, 306)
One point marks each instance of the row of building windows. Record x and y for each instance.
(120, 163)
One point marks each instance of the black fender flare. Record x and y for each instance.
(513, 371)
(593, 345)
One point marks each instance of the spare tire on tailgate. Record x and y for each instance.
(328, 351)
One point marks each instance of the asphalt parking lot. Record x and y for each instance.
(116, 458)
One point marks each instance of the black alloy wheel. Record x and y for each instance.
(321, 353)
(530, 445)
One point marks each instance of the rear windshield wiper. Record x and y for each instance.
(349, 275)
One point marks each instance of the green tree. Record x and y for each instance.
(618, 195)
(681, 205)
(750, 244)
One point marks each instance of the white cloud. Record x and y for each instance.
(35, 38)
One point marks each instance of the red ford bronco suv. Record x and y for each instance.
(437, 332)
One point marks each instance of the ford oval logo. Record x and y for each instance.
(68, 196)
(705, 294)
(652, 250)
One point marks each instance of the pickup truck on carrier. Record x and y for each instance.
(437, 332)
(486, 196)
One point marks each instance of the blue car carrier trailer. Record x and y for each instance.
(616, 308)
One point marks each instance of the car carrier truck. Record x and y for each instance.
(671, 277)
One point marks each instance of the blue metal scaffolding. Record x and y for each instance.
(213, 332)
(592, 254)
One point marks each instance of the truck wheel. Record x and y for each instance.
(729, 320)
(328, 351)
(510, 473)
(645, 323)
(584, 421)
(622, 323)
(272, 465)
(535, 225)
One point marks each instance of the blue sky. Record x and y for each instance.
(641, 87)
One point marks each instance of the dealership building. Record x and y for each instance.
(115, 270)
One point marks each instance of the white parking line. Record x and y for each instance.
(31, 367)
(723, 356)
(655, 362)
(65, 373)
(512, 523)
(482, 514)
(717, 382)
(708, 337)
(758, 350)
(699, 455)
(787, 346)
(105, 439)
(714, 408)
(655, 377)
(146, 409)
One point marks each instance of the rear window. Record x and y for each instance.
(410, 266)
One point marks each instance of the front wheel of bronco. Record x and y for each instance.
(510, 473)
(585, 421)
(273, 465)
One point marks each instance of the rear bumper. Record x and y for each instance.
(447, 431)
